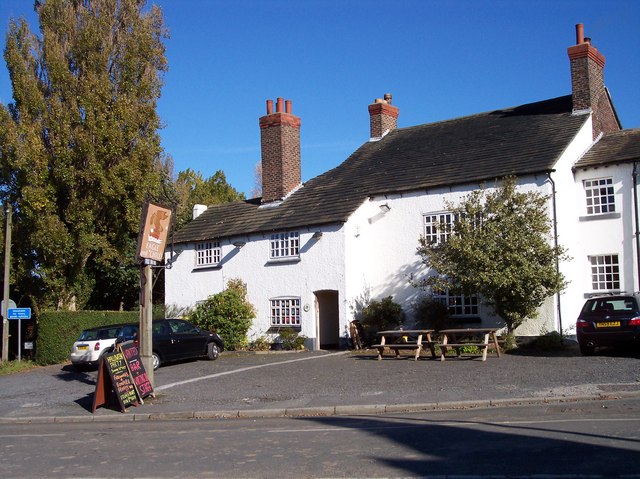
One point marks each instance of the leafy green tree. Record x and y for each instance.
(191, 189)
(79, 146)
(499, 247)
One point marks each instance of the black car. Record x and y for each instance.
(177, 339)
(609, 321)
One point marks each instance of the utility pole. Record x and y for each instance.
(7, 267)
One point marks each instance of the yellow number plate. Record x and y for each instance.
(610, 324)
(82, 348)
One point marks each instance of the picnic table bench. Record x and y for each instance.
(409, 339)
(482, 338)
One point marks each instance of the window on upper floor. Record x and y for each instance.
(459, 304)
(438, 227)
(285, 311)
(605, 272)
(284, 245)
(600, 196)
(208, 253)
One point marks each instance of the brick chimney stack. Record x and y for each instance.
(382, 116)
(280, 142)
(587, 84)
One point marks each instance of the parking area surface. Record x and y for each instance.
(351, 380)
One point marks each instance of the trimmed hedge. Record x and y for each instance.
(58, 330)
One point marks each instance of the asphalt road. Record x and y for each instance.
(574, 440)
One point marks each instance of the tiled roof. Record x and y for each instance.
(619, 147)
(521, 140)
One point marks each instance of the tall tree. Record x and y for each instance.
(191, 188)
(79, 148)
(500, 247)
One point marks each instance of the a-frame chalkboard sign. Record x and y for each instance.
(138, 374)
(121, 374)
(114, 377)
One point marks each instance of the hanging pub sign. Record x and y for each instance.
(154, 229)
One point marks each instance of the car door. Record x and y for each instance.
(186, 338)
(163, 342)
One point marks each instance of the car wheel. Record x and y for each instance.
(155, 360)
(586, 350)
(213, 351)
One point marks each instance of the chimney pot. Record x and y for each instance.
(579, 33)
(269, 107)
(279, 103)
(388, 97)
(287, 106)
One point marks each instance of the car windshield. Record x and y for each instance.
(609, 306)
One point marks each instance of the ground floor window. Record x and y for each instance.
(459, 304)
(285, 311)
(605, 272)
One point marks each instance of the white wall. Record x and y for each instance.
(319, 268)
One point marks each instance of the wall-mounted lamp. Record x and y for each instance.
(317, 235)
(239, 244)
(385, 208)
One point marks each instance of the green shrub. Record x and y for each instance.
(228, 313)
(380, 316)
(261, 343)
(291, 339)
(58, 330)
(432, 314)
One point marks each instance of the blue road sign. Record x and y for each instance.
(19, 313)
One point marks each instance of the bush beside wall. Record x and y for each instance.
(58, 330)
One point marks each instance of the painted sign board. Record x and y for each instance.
(154, 229)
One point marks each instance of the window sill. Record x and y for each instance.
(276, 329)
(289, 260)
(603, 216)
(207, 267)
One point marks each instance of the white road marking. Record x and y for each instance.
(241, 370)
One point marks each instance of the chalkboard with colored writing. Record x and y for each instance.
(114, 377)
(136, 369)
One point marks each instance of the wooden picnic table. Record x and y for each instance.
(483, 338)
(407, 339)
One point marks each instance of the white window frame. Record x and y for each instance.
(208, 253)
(600, 196)
(605, 272)
(285, 312)
(434, 232)
(459, 305)
(284, 245)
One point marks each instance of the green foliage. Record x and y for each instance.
(79, 146)
(12, 367)
(191, 188)
(501, 248)
(432, 314)
(380, 316)
(228, 313)
(261, 343)
(58, 330)
(290, 339)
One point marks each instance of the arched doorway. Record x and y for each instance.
(328, 319)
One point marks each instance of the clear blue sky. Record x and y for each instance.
(440, 59)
